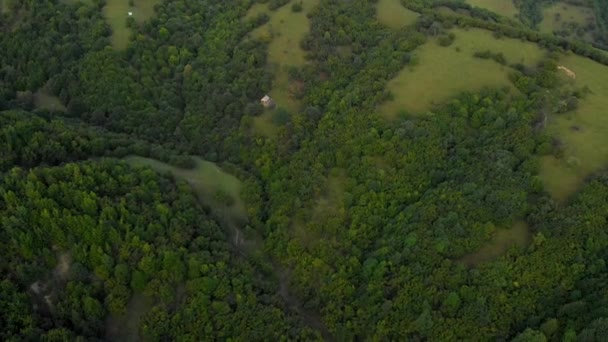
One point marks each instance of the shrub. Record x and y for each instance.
(446, 40)
(281, 116)
(296, 7)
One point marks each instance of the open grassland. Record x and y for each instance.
(116, 14)
(560, 14)
(392, 14)
(207, 179)
(503, 7)
(283, 32)
(443, 72)
(583, 132)
(502, 240)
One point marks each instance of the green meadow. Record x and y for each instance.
(3, 6)
(116, 13)
(582, 132)
(443, 72)
(207, 179)
(561, 14)
(503, 7)
(283, 33)
(392, 14)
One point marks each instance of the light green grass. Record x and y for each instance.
(43, 100)
(568, 14)
(116, 14)
(586, 148)
(444, 72)
(502, 240)
(207, 179)
(284, 32)
(392, 14)
(503, 7)
(3, 6)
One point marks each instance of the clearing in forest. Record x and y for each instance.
(327, 214)
(443, 72)
(503, 7)
(560, 16)
(208, 180)
(3, 6)
(582, 132)
(116, 13)
(43, 100)
(502, 240)
(284, 32)
(394, 15)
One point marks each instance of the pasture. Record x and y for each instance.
(116, 14)
(207, 179)
(501, 241)
(392, 14)
(443, 72)
(283, 32)
(558, 15)
(503, 7)
(583, 132)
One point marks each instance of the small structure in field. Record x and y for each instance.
(268, 102)
(130, 14)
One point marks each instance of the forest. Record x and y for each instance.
(147, 194)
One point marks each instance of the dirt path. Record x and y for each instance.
(63, 266)
(567, 71)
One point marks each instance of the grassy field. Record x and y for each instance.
(502, 7)
(583, 132)
(559, 14)
(284, 32)
(3, 6)
(207, 179)
(116, 14)
(502, 240)
(443, 72)
(392, 14)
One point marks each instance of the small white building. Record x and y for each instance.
(267, 102)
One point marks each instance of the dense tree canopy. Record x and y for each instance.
(85, 237)
(353, 226)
